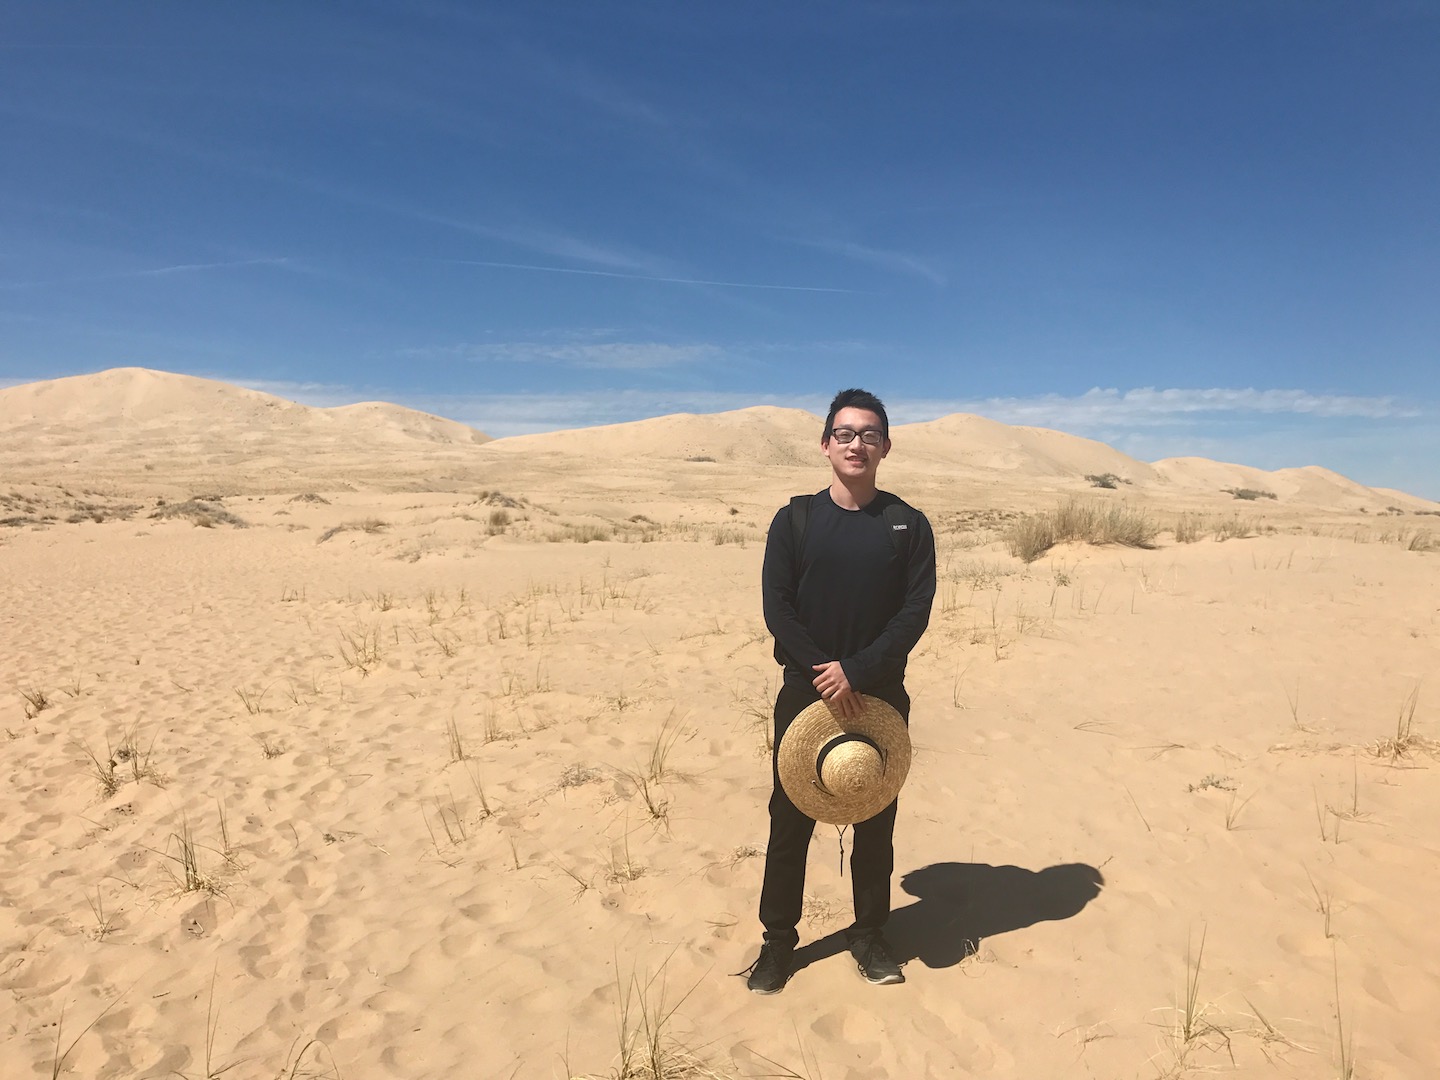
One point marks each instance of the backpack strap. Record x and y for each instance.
(799, 521)
(902, 520)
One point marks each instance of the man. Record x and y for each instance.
(847, 596)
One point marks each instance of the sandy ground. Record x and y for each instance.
(460, 770)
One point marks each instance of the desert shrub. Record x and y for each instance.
(499, 519)
(726, 535)
(500, 499)
(1031, 537)
(310, 497)
(199, 512)
(1105, 480)
(1187, 529)
(1251, 493)
(1235, 528)
(700, 457)
(580, 534)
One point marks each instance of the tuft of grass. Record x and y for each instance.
(104, 923)
(297, 1068)
(360, 649)
(498, 521)
(202, 513)
(103, 770)
(454, 743)
(365, 525)
(1324, 903)
(658, 808)
(1074, 520)
(1188, 529)
(227, 848)
(485, 810)
(623, 868)
(141, 762)
(584, 533)
(1233, 810)
(1235, 528)
(1192, 1027)
(184, 863)
(1406, 739)
(36, 702)
(669, 733)
(252, 699)
(578, 776)
(649, 1048)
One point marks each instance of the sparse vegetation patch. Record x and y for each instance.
(1032, 536)
(201, 513)
(1105, 480)
(1250, 493)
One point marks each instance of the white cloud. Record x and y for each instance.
(1148, 406)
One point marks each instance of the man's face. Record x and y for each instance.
(855, 460)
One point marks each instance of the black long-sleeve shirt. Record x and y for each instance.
(849, 595)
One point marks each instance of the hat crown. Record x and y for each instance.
(852, 769)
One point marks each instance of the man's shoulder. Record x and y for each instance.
(887, 499)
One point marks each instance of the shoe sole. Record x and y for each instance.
(760, 990)
(884, 980)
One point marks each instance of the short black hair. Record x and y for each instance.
(855, 398)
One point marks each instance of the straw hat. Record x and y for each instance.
(843, 771)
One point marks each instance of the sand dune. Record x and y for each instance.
(451, 761)
(129, 421)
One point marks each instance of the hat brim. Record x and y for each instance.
(817, 725)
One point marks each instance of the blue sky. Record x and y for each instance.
(1183, 228)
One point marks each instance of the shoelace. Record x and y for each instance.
(764, 951)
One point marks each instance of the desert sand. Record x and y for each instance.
(350, 742)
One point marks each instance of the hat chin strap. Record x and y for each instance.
(836, 742)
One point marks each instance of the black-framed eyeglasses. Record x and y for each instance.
(870, 436)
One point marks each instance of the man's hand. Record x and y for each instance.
(836, 691)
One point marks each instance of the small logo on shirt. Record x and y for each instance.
(899, 528)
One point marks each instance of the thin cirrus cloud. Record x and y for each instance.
(899, 262)
(157, 271)
(600, 356)
(638, 277)
(1099, 408)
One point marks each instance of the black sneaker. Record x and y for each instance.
(770, 971)
(877, 966)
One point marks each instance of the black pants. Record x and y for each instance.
(872, 856)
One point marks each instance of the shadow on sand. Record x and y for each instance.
(959, 904)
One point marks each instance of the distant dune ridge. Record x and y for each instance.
(126, 421)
